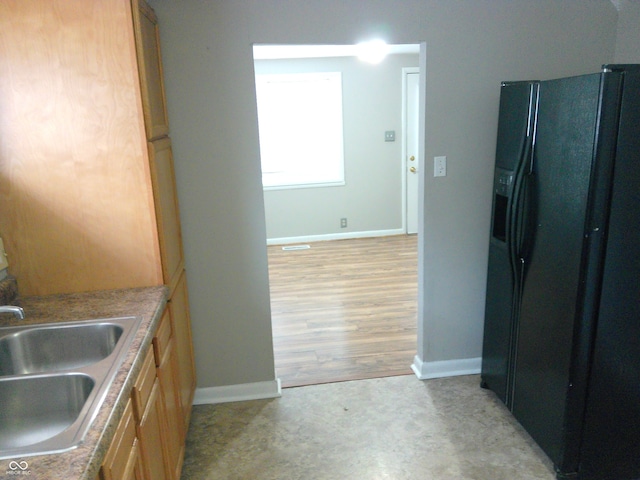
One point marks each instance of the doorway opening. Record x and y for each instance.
(344, 299)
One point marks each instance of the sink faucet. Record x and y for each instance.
(17, 311)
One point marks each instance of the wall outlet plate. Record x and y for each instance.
(3, 257)
(439, 166)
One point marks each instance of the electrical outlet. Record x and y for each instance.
(343, 223)
(390, 136)
(439, 166)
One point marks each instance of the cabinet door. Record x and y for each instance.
(174, 435)
(122, 461)
(150, 432)
(179, 309)
(167, 212)
(150, 70)
(74, 174)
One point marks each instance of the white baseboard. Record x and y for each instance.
(333, 236)
(446, 368)
(238, 393)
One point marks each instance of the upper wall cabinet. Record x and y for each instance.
(167, 214)
(75, 184)
(87, 183)
(150, 60)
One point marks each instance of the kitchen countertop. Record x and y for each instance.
(84, 461)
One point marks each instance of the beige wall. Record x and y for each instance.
(371, 198)
(628, 39)
(470, 47)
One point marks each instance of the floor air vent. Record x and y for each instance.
(296, 247)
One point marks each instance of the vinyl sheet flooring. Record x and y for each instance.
(396, 428)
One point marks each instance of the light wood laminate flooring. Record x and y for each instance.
(344, 309)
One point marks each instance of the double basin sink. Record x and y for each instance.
(53, 380)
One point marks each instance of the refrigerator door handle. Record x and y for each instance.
(522, 202)
(525, 227)
(519, 210)
(533, 122)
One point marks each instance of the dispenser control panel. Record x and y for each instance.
(503, 182)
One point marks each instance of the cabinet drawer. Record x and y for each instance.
(142, 388)
(162, 337)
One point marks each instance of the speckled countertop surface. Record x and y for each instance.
(84, 461)
(8, 290)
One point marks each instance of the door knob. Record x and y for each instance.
(412, 158)
(412, 169)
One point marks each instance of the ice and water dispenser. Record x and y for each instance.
(503, 184)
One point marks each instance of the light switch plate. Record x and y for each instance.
(3, 257)
(439, 166)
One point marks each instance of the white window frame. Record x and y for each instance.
(301, 129)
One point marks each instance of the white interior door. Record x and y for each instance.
(412, 161)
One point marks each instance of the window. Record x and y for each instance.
(300, 122)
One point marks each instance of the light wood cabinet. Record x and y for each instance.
(86, 166)
(167, 213)
(174, 434)
(149, 412)
(122, 461)
(179, 309)
(143, 385)
(174, 430)
(150, 62)
(78, 211)
(165, 196)
(153, 420)
(88, 187)
(150, 432)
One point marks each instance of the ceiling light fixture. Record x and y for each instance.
(373, 51)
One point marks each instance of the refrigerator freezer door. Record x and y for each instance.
(564, 150)
(497, 322)
(514, 124)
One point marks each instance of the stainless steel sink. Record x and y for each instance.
(53, 380)
(37, 408)
(43, 349)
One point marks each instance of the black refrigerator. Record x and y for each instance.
(562, 319)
